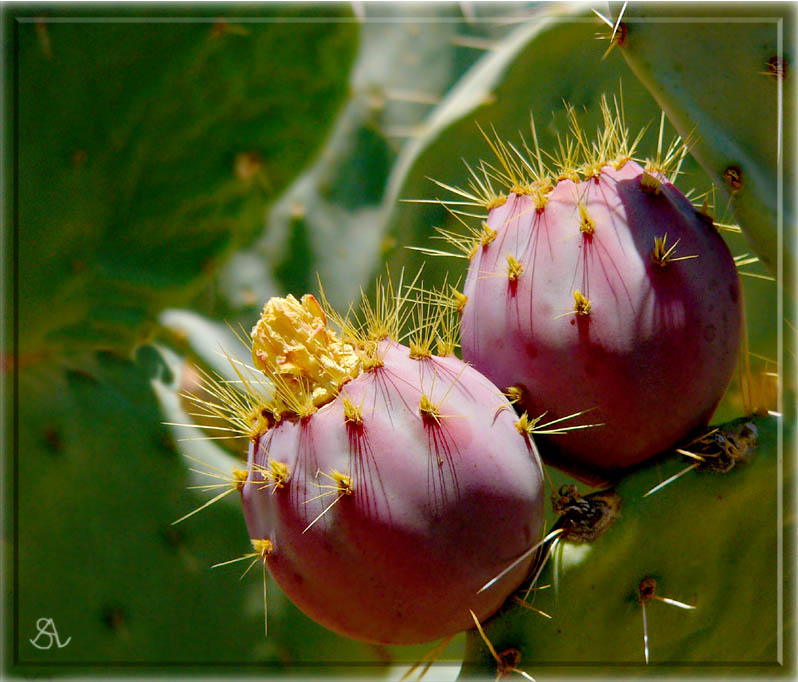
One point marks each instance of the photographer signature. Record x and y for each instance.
(46, 628)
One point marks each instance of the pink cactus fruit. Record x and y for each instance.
(386, 485)
(601, 288)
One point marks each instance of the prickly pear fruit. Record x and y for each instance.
(601, 288)
(386, 485)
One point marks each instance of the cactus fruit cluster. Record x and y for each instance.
(385, 485)
(392, 490)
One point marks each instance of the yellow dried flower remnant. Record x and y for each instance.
(293, 346)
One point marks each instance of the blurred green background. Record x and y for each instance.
(172, 167)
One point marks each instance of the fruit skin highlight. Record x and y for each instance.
(391, 487)
(601, 316)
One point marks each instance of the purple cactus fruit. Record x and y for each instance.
(602, 288)
(391, 484)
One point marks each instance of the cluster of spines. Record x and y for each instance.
(530, 172)
(341, 486)
(528, 426)
(664, 253)
(263, 550)
(233, 481)
(435, 323)
(237, 408)
(425, 319)
(274, 476)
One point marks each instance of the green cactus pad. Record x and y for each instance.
(97, 477)
(706, 539)
(409, 57)
(726, 75)
(147, 150)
